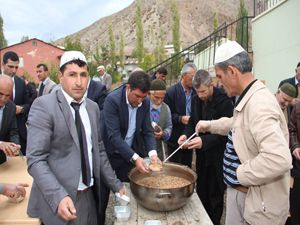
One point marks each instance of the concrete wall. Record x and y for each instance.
(276, 43)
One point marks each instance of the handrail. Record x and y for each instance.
(221, 32)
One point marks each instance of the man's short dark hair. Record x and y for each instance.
(10, 55)
(162, 70)
(298, 65)
(45, 67)
(78, 62)
(139, 80)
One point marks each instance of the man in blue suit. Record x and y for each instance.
(128, 134)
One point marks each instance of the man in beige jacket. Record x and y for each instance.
(257, 160)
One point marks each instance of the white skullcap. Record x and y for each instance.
(70, 56)
(227, 51)
(100, 68)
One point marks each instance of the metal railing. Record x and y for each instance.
(238, 30)
(261, 6)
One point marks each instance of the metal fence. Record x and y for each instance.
(238, 30)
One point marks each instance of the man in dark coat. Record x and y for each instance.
(209, 104)
(9, 138)
(97, 92)
(295, 80)
(178, 98)
(19, 95)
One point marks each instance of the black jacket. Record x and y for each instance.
(8, 128)
(213, 144)
(175, 99)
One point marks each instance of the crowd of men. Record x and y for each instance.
(81, 140)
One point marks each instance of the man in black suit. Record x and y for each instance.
(178, 98)
(295, 80)
(9, 138)
(19, 96)
(210, 103)
(97, 92)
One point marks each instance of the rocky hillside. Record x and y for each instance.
(196, 22)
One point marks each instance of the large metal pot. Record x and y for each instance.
(163, 199)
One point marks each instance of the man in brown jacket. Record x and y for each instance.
(257, 160)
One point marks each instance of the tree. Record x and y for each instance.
(139, 33)
(175, 26)
(122, 55)
(159, 52)
(24, 38)
(72, 45)
(3, 42)
(241, 27)
(113, 69)
(216, 22)
(176, 66)
(112, 47)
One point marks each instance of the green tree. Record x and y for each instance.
(122, 55)
(104, 55)
(148, 62)
(53, 72)
(97, 55)
(139, 33)
(113, 69)
(112, 47)
(241, 27)
(216, 22)
(24, 38)
(159, 52)
(3, 42)
(70, 45)
(176, 66)
(175, 26)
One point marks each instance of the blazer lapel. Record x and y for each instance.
(63, 104)
(124, 114)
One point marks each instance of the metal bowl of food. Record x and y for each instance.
(166, 190)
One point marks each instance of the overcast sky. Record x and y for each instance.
(52, 19)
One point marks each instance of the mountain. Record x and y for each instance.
(196, 22)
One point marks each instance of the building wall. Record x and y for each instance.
(32, 53)
(276, 43)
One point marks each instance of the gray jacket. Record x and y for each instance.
(53, 156)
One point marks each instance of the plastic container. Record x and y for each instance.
(122, 213)
(122, 200)
(152, 222)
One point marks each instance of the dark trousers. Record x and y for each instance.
(210, 189)
(182, 156)
(295, 202)
(122, 168)
(86, 210)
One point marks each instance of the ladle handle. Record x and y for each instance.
(186, 141)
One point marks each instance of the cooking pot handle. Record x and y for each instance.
(164, 195)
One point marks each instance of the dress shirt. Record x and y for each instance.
(88, 131)
(188, 100)
(1, 115)
(132, 127)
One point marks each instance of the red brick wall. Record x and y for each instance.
(33, 52)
